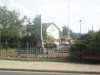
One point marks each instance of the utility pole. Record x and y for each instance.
(68, 22)
(80, 27)
(92, 29)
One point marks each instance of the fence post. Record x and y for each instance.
(6, 46)
(27, 47)
(0, 47)
(36, 52)
(69, 58)
(18, 48)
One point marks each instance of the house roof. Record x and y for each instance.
(46, 25)
(24, 27)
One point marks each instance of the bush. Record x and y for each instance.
(75, 51)
(90, 41)
(50, 45)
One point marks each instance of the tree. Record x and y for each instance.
(37, 32)
(92, 40)
(37, 26)
(89, 41)
(71, 33)
(10, 24)
(48, 39)
(30, 34)
(65, 31)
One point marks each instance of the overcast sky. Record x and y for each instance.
(57, 11)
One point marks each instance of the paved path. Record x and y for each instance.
(49, 66)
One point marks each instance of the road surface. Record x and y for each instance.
(36, 73)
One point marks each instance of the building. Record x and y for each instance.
(52, 30)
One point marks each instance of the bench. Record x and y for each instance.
(91, 54)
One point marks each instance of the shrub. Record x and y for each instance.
(75, 51)
(90, 41)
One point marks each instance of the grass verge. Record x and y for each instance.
(35, 59)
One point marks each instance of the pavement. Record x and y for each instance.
(63, 67)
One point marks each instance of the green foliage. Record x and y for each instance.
(10, 24)
(65, 31)
(48, 39)
(33, 30)
(30, 34)
(90, 41)
(76, 49)
(50, 45)
(35, 59)
(71, 33)
(37, 26)
(28, 39)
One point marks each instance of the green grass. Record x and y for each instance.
(8, 50)
(3, 50)
(35, 59)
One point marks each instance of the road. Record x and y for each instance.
(36, 73)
